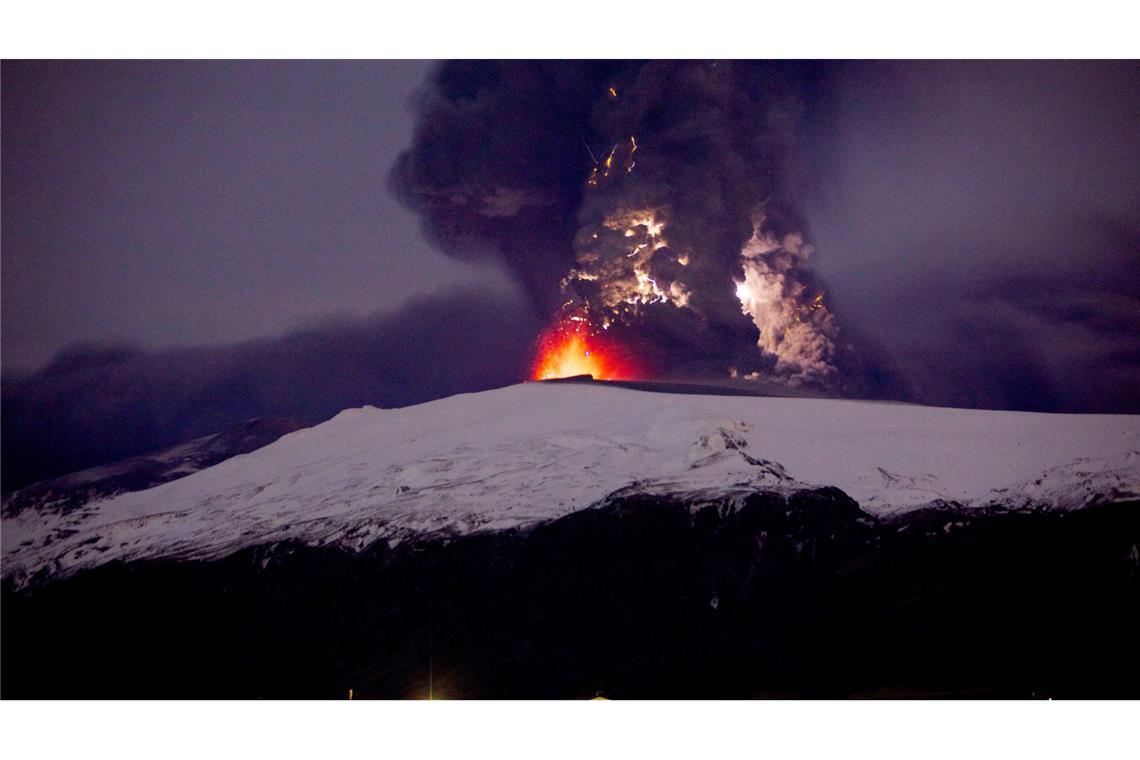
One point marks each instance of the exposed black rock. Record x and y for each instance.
(647, 597)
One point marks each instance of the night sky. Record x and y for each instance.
(187, 245)
(188, 203)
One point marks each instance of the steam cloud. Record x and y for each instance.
(642, 198)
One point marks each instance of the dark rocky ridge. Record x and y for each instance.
(71, 492)
(806, 596)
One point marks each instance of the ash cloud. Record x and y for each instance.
(629, 191)
(982, 220)
(956, 206)
(496, 166)
(1031, 344)
(97, 404)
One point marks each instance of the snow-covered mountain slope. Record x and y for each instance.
(537, 451)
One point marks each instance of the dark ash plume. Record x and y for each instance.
(632, 196)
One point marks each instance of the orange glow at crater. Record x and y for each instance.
(567, 349)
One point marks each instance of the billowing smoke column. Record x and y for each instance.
(777, 292)
(639, 202)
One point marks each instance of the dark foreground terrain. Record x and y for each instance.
(807, 597)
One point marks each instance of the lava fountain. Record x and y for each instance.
(568, 348)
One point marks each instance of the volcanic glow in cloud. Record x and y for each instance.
(634, 212)
(615, 256)
(795, 325)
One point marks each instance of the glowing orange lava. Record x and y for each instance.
(565, 351)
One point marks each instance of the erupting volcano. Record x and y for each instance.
(568, 348)
(641, 202)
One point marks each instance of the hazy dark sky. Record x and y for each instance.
(184, 203)
(963, 173)
(982, 220)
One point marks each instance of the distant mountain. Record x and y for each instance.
(63, 495)
(526, 454)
